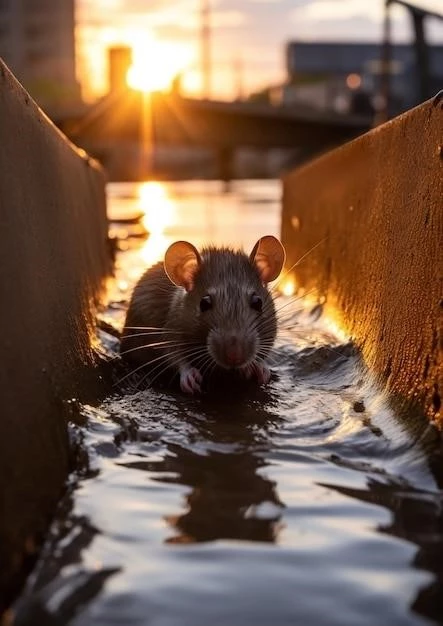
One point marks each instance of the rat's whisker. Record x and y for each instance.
(171, 364)
(151, 333)
(157, 346)
(148, 363)
(302, 258)
(277, 310)
(211, 369)
(164, 366)
(207, 363)
(164, 329)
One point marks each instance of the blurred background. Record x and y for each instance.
(86, 62)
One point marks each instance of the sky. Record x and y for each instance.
(247, 43)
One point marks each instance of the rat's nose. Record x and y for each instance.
(234, 353)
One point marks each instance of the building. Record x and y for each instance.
(120, 60)
(37, 43)
(335, 70)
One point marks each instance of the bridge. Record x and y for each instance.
(132, 123)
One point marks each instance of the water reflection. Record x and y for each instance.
(229, 499)
(159, 214)
(224, 464)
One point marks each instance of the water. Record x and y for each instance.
(310, 501)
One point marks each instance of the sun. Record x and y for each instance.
(156, 63)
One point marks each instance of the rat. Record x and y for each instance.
(198, 310)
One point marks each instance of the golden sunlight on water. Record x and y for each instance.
(334, 323)
(158, 213)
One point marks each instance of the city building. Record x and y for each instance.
(37, 43)
(337, 75)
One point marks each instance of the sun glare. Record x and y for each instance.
(156, 63)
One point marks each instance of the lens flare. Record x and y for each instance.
(287, 287)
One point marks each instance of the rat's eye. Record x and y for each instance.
(256, 302)
(205, 303)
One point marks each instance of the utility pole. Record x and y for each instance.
(237, 67)
(386, 62)
(422, 54)
(205, 42)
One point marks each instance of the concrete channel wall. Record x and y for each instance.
(376, 204)
(53, 261)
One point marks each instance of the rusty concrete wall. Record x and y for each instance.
(378, 204)
(53, 260)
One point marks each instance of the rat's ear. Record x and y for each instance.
(181, 262)
(269, 256)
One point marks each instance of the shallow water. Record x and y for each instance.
(309, 501)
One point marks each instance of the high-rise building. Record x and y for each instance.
(37, 43)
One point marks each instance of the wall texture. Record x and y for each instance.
(53, 261)
(377, 206)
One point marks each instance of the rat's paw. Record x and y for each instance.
(258, 369)
(190, 380)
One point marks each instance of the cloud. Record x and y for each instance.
(337, 11)
(352, 18)
(357, 28)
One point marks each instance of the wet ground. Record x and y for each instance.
(309, 501)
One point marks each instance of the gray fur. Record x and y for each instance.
(230, 278)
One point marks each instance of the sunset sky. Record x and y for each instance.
(248, 37)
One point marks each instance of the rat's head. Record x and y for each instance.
(227, 305)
